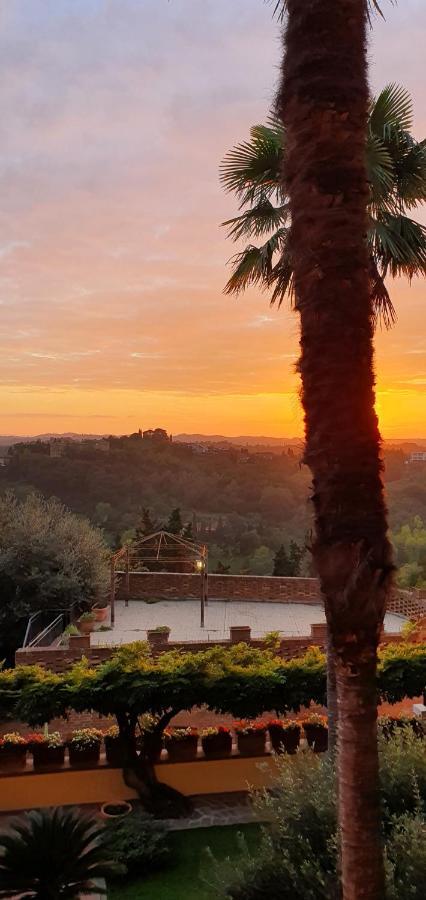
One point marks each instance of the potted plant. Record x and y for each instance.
(47, 749)
(113, 747)
(68, 632)
(150, 740)
(86, 622)
(316, 731)
(181, 744)
(84, 747)
(284, 736)
(250, 738)
(159, 635)
(13, 751)
(100, 611)
(216, 742)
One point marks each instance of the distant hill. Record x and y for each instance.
(247, 440)
(9, 439)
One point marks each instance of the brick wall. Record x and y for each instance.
(187, 586)
(60, 659)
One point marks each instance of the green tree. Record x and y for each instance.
(281, 562)
(175, 524)
(260, 563)
(410, 544)
(323, 104)
(147, 525)
(397, 183)
(49, 559)
(188, 532)
(295, 557)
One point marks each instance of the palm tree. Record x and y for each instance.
(323, 103)
(396, 166)
(52, 854)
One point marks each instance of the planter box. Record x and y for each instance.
(47, 757)
(284, 740)
(80, 641)
(182, 750)
(158, 637)
(217, 746)
(114, 752)
(317, 737)
(251, 744)
(84, 758)
(240, 634)
(13, 759)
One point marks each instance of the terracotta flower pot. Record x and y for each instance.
(101, 613)
(217, 746)
(252, 744)
(182, 749)
(13, 757)
(45, 757)
(84, 758)
(86, 626)
(317, 737)
(284, 739)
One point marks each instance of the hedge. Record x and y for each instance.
(241, 680)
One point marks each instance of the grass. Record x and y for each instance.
(182, 881)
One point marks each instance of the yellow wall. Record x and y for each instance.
(103, 784)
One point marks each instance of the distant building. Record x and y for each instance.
(57, 449)
(4, 460)
(418, 457)
(104, 445)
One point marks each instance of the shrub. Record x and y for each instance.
(296, 858)
(138, 844)
(244, 727)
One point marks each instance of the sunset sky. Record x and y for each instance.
(115, 115)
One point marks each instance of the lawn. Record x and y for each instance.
(182, 881)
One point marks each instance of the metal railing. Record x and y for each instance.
(47, 625)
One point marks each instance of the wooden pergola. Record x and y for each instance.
(160, 552)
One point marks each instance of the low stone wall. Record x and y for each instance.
(60, 659)
(187, 586)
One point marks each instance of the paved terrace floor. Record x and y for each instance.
(183, 618)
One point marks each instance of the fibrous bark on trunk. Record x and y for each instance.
(323, 102)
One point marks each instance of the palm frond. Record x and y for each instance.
(380, 169)
(254, 265)
(410, 173)
(398, 244)
(252, 169)
(391, 112)
(280, 8)
(383, 308)
(257, 221)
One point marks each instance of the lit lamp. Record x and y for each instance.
(200, 566)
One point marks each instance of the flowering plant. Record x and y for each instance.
(85, 738)
(212, 732)
(290, 725)
(180, 734)
(13, 739)
(317, 721)
(52, 740)
(248, 727)
(112, 734)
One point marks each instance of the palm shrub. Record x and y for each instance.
(53, 854)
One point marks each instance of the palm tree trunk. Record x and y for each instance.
(323, 102)
(331, 697)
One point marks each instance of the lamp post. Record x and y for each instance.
(200, 566)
